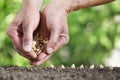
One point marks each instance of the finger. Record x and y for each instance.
(30, 23)
(16, 36)
(27, 55)
(42, 55)
(63, 40)
(12, 29)
(36, 63)
(17, 44)
(18, 47)
(64, 37)
(13, 35)
(27, 40)
(54, 36)
(17, 41)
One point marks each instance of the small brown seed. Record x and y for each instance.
(39, 44)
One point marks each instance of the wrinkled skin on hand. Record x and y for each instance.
(55, 27)
(21, 31)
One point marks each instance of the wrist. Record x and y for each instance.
(32, 4)
(58, 5)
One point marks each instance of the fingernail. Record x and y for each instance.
(27, 48)
(49, 50)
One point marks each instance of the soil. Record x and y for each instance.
(40, 73)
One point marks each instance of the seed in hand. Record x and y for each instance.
(39, 44)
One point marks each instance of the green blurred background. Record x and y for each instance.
(94, 34)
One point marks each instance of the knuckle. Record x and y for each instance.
(66, 41)
(53, 28)
(53, 43)
(9, 32)
(15, 23)
(27, 40)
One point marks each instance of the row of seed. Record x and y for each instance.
(82, 66)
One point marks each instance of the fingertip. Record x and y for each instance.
(32, 55)
(33, 64)
(50, 50)
(41, 56)
(36, 63)
(27, 40)
(27, 48)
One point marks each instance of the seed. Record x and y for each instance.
(39, 52)
(101, 66)
(37, 49)
(52, 66)
(92, 67)
(111, 68)
(62, 66)
(34, 42)
(82, 66)
(73, 66)
(39, 44)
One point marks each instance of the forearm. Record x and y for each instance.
(72, 5)
(79, 4)
(32, 3)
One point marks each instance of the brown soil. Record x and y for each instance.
(38, 73)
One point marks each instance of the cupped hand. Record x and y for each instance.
(21, 30)
(55, 27)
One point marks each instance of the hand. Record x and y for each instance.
(54, 26)
(22, 27)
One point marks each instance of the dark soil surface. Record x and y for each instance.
(38, 73)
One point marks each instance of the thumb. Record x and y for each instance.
(54, 36)
(27, 40)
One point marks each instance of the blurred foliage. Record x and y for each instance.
(94, 32)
